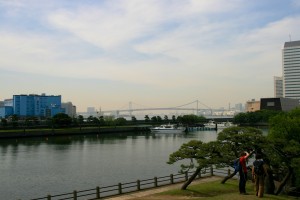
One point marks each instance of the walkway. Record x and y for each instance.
(147, 194)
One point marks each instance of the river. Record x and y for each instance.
(35, 167)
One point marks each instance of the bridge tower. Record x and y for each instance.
(130, 108)
(197, 111)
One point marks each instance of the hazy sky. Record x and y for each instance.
(155, 53)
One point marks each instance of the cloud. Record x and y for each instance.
(105, 28)
(295, 3)
(115, 24)
(154, 44)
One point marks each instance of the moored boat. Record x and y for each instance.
(219, 125)
(168, 128)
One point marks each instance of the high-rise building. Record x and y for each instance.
(291, 69)
(70, 109)
(278, 87)
(37, 105)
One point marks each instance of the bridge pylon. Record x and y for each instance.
(130, 108)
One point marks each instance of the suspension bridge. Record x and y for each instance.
(132, 109)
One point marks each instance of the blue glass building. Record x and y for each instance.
(37, 105)
(6, 111)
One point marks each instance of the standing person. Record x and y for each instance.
(259, 171)
(243, 172)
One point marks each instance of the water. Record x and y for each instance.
(35, 167)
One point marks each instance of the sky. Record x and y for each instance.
(154, 53)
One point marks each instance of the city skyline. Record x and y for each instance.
(156, 53)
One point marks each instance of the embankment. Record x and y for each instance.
(70, 131)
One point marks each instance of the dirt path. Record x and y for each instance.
(150, 194)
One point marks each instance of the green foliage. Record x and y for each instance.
(80, 119)
(109, 120)
(14, 120)
(190, 119)
(200, 155)
(154, 119)
(251, 118)
(159, 119)
(4, 122)
(166, 119)
(133, 119)
(229, 144)
(101, 121)
(62, 119)
(238, 139)
(90, 119)
(284, 135)
(147, 119)
(120, 121)
(95, 120)
(173, 119)
(285, 126)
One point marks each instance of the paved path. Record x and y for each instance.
(145, 194)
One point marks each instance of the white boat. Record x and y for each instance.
(168, 128)
(219, 125)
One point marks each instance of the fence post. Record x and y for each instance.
(228, 171)
(120, 188)
(98, 192)
(171, 178)
(138, 184)
(211, 171)
(186, 176)
(75, 195)
(48, 197)
(155, 181)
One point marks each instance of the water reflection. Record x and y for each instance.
(34, 167)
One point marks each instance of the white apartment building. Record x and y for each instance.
(291, 69)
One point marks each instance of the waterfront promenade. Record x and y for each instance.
(150, 194)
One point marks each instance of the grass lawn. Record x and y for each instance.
(216, 190)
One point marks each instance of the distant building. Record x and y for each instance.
(278, 87)
(91, 111)
(8, 102)
(70, 109)
(252, 105)
(6, 111)
(37, 105)
(283, 104)
(6, 108)
(291, 69)
(239, 107)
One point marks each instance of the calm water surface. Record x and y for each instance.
(35, 167)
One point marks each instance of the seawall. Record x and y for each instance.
(21, 133)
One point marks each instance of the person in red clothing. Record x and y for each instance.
(243, 172)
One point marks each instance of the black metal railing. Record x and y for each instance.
(123, 188)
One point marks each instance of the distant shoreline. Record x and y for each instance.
(23, 133)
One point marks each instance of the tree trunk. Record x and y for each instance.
(228, 177)
(269, 182)
(284, 181)
(190, 180)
